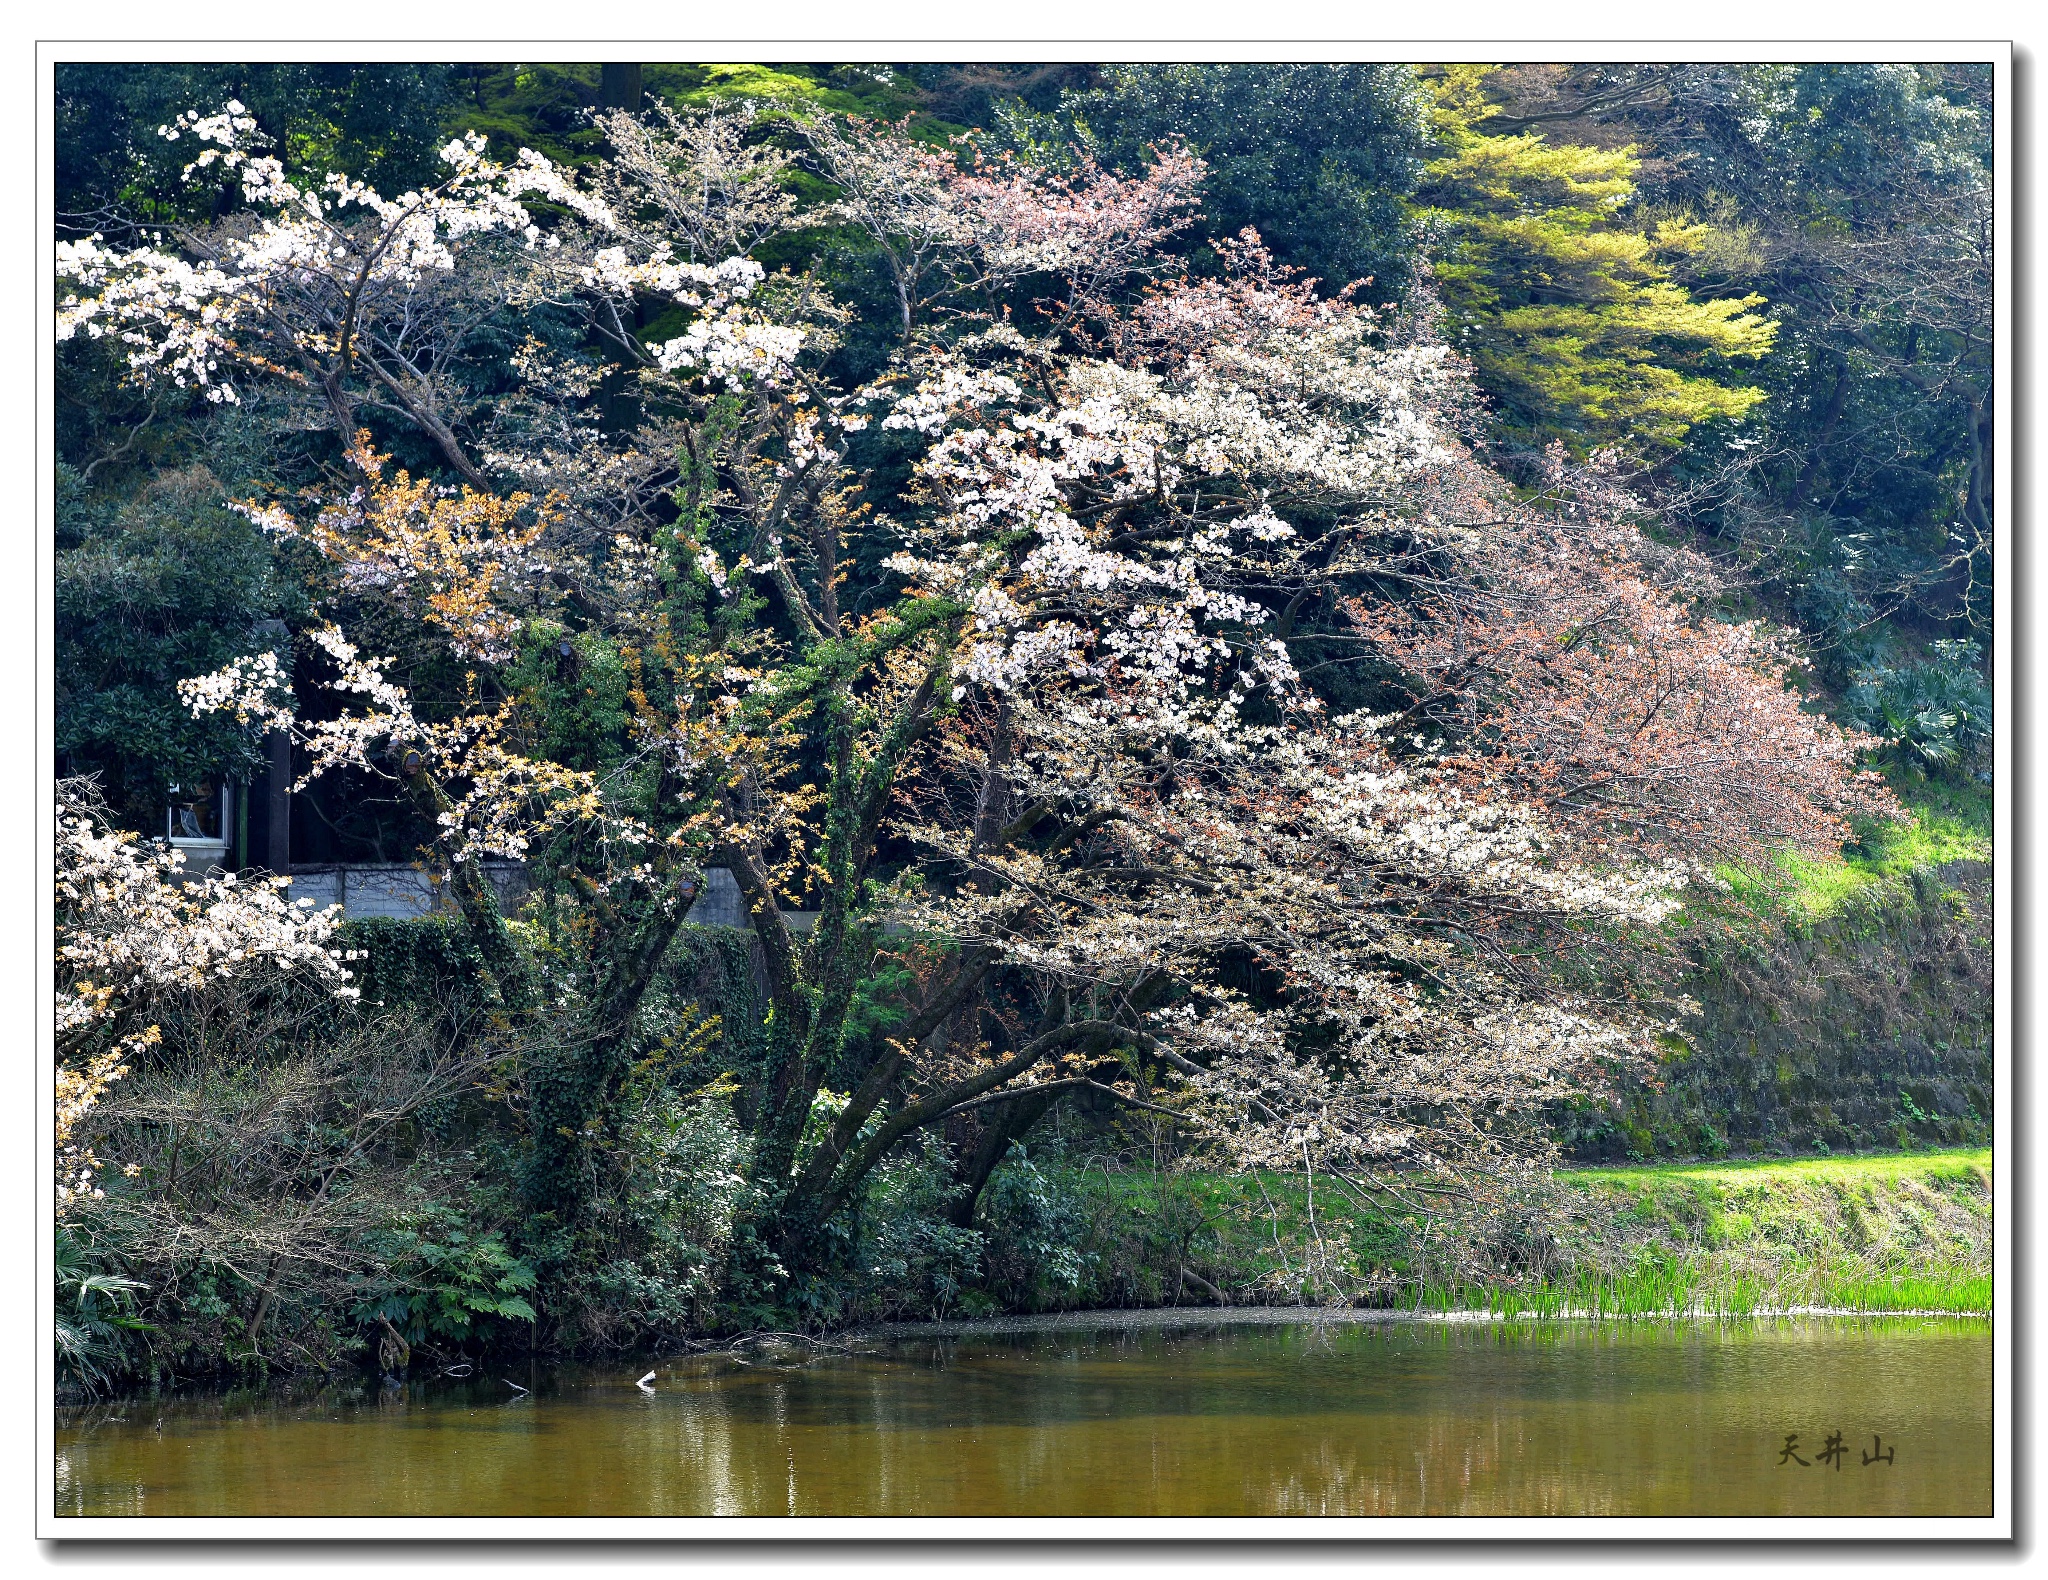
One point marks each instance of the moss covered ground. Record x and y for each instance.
(1946, 821)
(1846, 1006)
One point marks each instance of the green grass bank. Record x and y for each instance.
(1871, 1233)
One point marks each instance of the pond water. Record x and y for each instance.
(1176, 1417)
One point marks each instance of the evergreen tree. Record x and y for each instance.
(167, 585)
(1562, 293)
(1317, 158)
(1864, 192)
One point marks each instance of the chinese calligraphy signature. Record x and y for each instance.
(1834, 1451)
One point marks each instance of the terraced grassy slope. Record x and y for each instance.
(1891, 1232)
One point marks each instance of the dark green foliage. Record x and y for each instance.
(439, 1280)
(547, 107)
(1384, 1245)
(721, 976)
(909, 1259)
(566, 1091)
(698, 1023)
(95, 1317)
(1861, 196)
(708, 972)
(544, 107)
(1139, 1237)
(1935, 714)
(429, 964)
(1318, 158)
(377, 122)
(576, 685)
(648, 1257)
(166, 586)
(1034, 1218)
(979, 95)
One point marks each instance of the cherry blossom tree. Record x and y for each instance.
(132, 927)
(1587, 673)
(1065, 787)
(210, 1042)
(344, 297)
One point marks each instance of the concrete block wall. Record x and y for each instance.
(405, 892)
(720, 904)
(392, 890)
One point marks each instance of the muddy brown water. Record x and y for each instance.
(1166, 1418)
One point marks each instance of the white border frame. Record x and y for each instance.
(1998, 1526)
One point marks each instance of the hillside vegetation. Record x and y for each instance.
(1255, 652)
